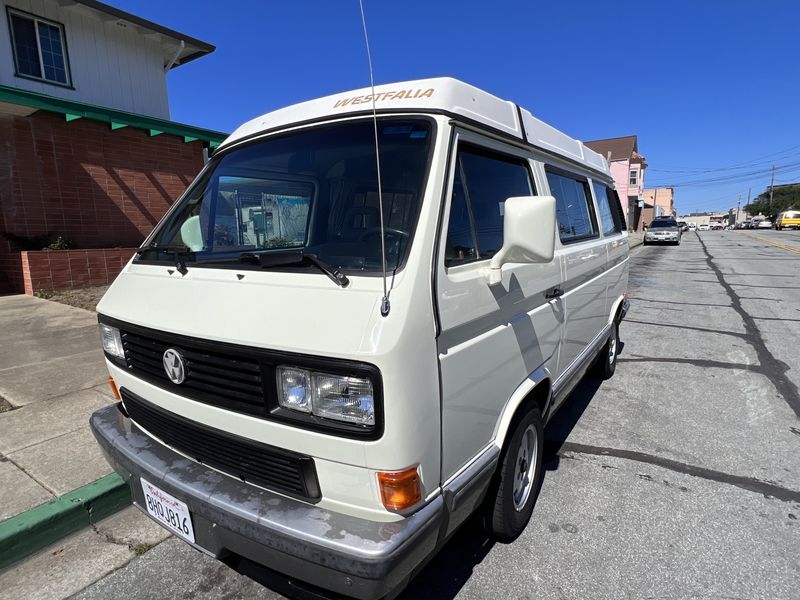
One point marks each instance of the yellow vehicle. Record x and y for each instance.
(788, 218)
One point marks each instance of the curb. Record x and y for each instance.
(37, 528)
(634, 244)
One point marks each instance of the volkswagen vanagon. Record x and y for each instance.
(326, 362)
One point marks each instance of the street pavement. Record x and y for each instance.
(677, 478)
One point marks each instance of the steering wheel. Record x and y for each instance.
(399, 233)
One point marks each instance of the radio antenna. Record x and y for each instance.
(385, 306)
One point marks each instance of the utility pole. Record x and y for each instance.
(771, 185)
(738, 210)
(748, 197)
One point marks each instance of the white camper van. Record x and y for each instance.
(284, 401)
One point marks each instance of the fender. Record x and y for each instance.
(531, 381)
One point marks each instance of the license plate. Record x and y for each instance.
(168, 510)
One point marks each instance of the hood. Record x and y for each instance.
(295, 312)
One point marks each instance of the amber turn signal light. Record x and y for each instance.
(399, 489)
(113, 385)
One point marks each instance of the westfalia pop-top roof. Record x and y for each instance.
(443, 94)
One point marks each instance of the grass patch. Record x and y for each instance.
(5, 405)
(139, 549)
(44, 293)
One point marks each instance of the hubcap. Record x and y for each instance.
(524, 466)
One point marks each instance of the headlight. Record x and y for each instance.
(294, 388)
(342, 398)
(112, 341)
(347, 399)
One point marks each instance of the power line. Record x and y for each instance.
(751, 162)
(733, 178)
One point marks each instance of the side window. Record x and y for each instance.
(460, 233)
(574, 209)
(482, 183)
(608, 209)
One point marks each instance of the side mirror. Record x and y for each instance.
(529, 233)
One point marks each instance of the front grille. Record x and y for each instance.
(223, 379)
(253, 462)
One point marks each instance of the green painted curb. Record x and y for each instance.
(29, 532)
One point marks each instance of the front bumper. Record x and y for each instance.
(669, 237)
(347, 555)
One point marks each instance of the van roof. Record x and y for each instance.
(437, 95)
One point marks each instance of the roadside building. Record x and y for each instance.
(88, 152)
(627, 169)
(706, 218)
(662, 200)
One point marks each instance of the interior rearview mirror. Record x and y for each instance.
(192, 233)
(529, 233)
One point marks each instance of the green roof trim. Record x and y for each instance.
(116, 118)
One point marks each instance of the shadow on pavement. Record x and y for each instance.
(452, 566)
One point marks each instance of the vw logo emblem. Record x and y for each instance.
(174, 366)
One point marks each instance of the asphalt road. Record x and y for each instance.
(678, 478)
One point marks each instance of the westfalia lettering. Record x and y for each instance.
(406, 94)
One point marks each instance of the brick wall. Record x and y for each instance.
(68, 269)
(97, 187)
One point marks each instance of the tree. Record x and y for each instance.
(784, 197)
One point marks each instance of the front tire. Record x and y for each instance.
(512, 496)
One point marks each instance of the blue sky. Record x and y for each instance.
(705, 85)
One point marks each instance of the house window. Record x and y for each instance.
(39, 47)
(634, 180)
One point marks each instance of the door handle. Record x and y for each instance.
(553, 293)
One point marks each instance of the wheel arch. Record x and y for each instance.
(616, 309)
(537, 390)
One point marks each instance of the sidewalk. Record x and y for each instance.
(635, 239)
(52, 377)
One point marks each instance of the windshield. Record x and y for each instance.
(314, 190)
(663, 223)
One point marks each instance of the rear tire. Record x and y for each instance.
(606, 363)
(512, 495)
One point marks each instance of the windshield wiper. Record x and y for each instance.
(267, 260)
(178, 252)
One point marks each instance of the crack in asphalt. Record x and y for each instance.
(679, 303)
(751, 484)
(775, 370)
(702, 329)
(698, 362)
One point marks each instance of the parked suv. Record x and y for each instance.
(327, 372)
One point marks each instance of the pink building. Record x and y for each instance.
(627, 169)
